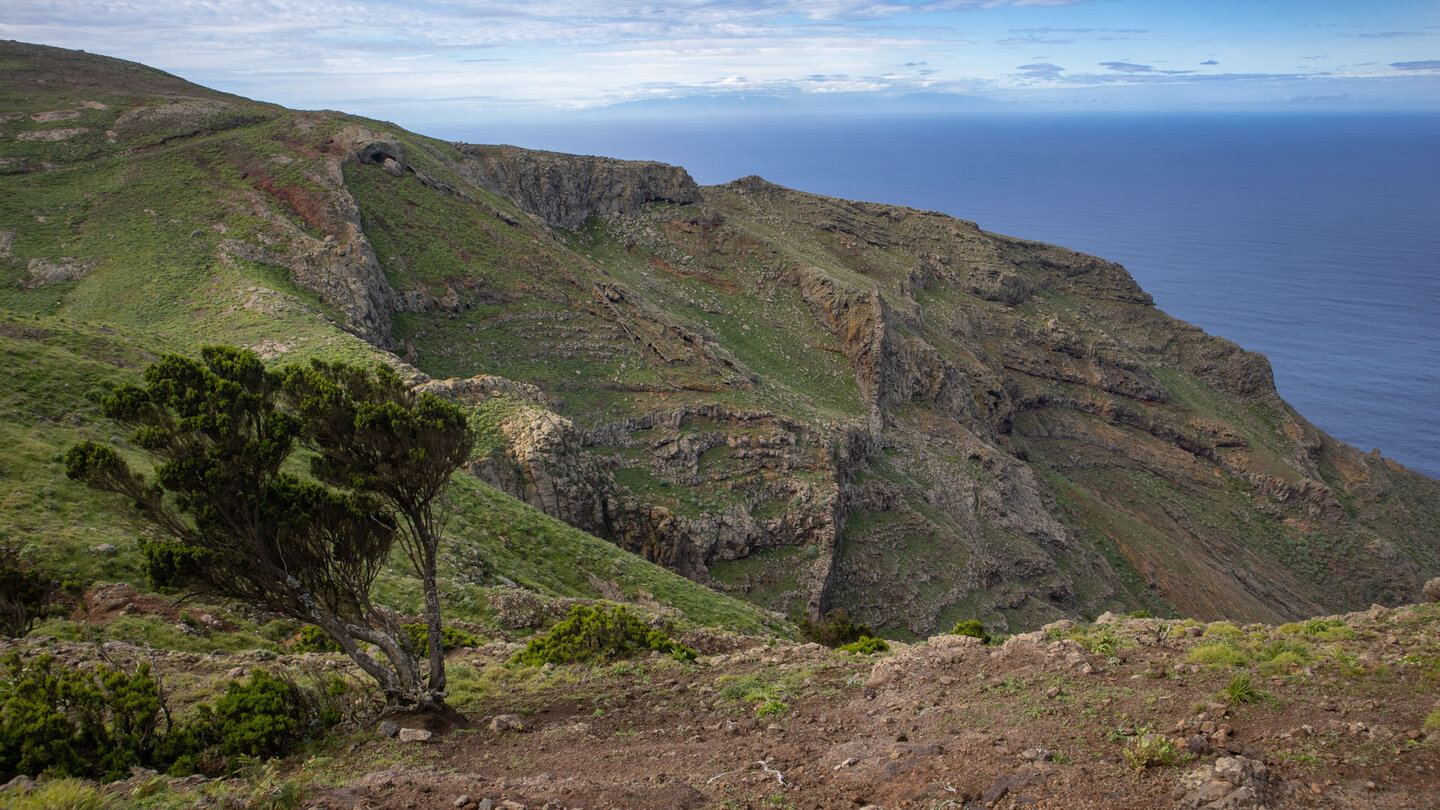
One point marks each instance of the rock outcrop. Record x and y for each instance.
(565, 189)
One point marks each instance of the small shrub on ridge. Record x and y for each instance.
(971, 628)
(869, 645)
(593, 633)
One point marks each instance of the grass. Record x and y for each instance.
(1218, 654)
(1241, 690)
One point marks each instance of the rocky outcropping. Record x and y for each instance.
(562, 190)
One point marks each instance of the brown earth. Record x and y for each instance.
(1038, 721)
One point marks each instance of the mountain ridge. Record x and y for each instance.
(811, 402)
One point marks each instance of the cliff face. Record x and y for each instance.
(814, 402)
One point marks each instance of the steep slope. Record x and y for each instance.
(811, 402)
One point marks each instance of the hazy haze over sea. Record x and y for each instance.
(1314, 239)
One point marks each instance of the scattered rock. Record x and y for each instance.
(502, 723)
(1231, 782)
(415, 735)
(387, 728)
(1432, 590)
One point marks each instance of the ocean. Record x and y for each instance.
(1312, 238)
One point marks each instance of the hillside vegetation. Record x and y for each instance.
(805, 402)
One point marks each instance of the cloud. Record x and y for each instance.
(1041, 69)
(1032, 41)
(1428, 64)
(1130, 67)
(1388, 34)
(1127, 67)
(1209, 62)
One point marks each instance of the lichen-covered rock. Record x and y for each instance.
(1232, 782)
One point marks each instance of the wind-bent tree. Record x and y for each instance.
(235, 524)
(373, 434)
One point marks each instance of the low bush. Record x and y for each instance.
(451, 638)
(25, 592)
(1151, 750)
(598, 633)
(101, 724)
(82, 724)
(835, 629)
(264, 718)
(971, 628)
(869, 645)
(314, 640)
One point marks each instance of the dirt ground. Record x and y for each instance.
(944, 724)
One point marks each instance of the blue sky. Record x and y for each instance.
(426, 64)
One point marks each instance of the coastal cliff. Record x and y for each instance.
(809, 402)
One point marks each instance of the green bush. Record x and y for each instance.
(869, 645)
(314, 640)
(593, 633)
(263, 718)
(1150, 750)
(1141, 614)
(835, 629)
(972, 628)
(83, 724)
(24, 594)
(450, 638)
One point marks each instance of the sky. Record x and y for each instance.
(429, 64)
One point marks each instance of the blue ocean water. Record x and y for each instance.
(1314, 239)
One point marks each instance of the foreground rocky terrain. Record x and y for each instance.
(1123, 713)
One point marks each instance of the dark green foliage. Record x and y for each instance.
(373, 434)
(265, 717)
(869, 645)
(220, 430)
(834, 630)
(593, 633)
(1141, 614)
(170, 564)
(79, 723)
(233, 522)
(24, 594)
(971, 628)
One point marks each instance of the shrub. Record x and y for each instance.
(1432, 720)
(263, 718)
(1149, 750)
(1141, 614)
(78, 723)
(869, 645)
(24, 594)
(1099, 640)
(314, 640)
(835, 629)
(450, 637)
(971, 628)
(771, 708)
(591, 633)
